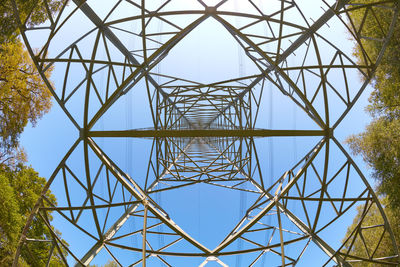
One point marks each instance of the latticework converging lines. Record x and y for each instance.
(202, 133)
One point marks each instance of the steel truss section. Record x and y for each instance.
(205, 134)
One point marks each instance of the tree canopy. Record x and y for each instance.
(24, 96)
(10, 221)
(19, 191)
(374, 242)
(33, 12)
(379, 144)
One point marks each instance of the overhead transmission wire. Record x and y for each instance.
(293, 203)
(199, 185)
(269, 173)
(243, 193)
(102, 177)
(129, 145)
(158, 196)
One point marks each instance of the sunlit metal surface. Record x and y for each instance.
(206, 133)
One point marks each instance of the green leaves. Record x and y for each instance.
(365, 240)
(24, 96)
(11, 221)
(372, 22)
(34, 12)
(19, 191)
(379, 144)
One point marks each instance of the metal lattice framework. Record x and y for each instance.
(207, 134)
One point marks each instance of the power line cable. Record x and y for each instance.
(243, 194)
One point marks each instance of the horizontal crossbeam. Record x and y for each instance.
(209, 133)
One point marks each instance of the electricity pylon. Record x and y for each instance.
(206, 134)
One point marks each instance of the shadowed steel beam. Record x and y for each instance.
(313, 28)
(98, 246)
(292, 217)
(296, 44)
(209, 133)
(218, 112)
(367, 82)
(371, 192)
(140, 195)
(121, 47)
(39, 202)
(271, 204)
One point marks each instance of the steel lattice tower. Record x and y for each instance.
(206, 134)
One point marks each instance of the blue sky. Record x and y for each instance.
(208, 54)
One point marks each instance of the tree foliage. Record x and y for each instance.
(33, 12)
(19, 191)
(380, 147)
(10, 221)
(379, 144)
(372, 24)
(374, 243)
(24, 96)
